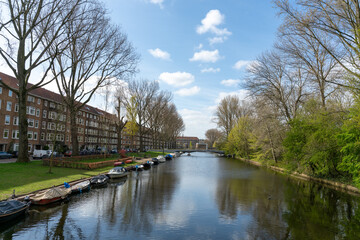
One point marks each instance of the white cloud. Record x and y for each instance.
(158, 53)
(211, 22)
(213, 70)
(206, 56)
(188, 91)
(177, 79)
(158, 2)
(200, 46)
(241, 64)
(197, 122)
(215, 40)
(242, 94)
(230, 82)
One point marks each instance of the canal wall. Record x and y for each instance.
(333, 184)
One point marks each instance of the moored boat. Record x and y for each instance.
(128, 161)
(139, 168)
(118, 172)
(161, 159)
(51, 195)
(168, 157)
(155, 161)
(80, 187)
(99, 180)
(12, 209)
(147, 165)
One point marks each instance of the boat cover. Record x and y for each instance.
(10, 206)
(98, 179)
(80, 185)
(117, 170)
(51, 193)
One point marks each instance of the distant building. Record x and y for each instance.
(186, 142)
(201, 146)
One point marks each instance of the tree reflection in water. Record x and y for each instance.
(286, 208)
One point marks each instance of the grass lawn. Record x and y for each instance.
(29, 177)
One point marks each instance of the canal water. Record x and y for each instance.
(200, 196)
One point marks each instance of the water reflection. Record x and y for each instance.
(197, 197)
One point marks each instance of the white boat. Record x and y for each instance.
(81, 187)
(118, 172)
(161, 158)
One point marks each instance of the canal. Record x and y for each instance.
(197, 197)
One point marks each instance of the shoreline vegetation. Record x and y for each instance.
(26, 178)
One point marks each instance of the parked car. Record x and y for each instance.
(114, 151)
(5, 155)
(68, 153)
(40, 154)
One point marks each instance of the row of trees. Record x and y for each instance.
(149, 113)
(303, 105)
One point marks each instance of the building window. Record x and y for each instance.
(0, 103)
(7, 119)
(30, 135)
(50, 137)
(37, 112)
(31, 122)
(44, 113)
(36, 123)
(45, 103)
(39, 101)
(16, 147)
(35, 135)
(8, 106)
(10, 93)
(16, 107)
(43, 125)
(52, 115)
(30, 110)
(15, 134)
(42, 136)
(0, 90)
(29, 147)
(52, 105)
(51, 126)
(16, 121)
(31, 99)
(6, 133)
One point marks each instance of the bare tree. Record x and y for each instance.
(338, 20)
(303, 50)
(98, 53)
(272, 77)
(171, 127)
(27, 30)
(212, 135)
(143, 93)
(229, 110)
(156, 113)
(120, 121)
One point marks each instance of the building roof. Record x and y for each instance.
(49, 95)
(187, 138)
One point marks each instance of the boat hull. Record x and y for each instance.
(46, 201)
(13, 215)
(115, 175)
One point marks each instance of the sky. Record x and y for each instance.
(197, 49)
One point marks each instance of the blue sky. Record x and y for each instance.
(192, 47)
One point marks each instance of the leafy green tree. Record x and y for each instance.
(349, 140)
(311, 144)
(131, 126)
(241, 138)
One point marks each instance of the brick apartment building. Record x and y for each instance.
(184, 142)
(49, 122)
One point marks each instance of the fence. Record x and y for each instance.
(75, 162)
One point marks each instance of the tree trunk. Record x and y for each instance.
(23, 124)
(74, 140)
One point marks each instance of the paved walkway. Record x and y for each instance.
(11, 160)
